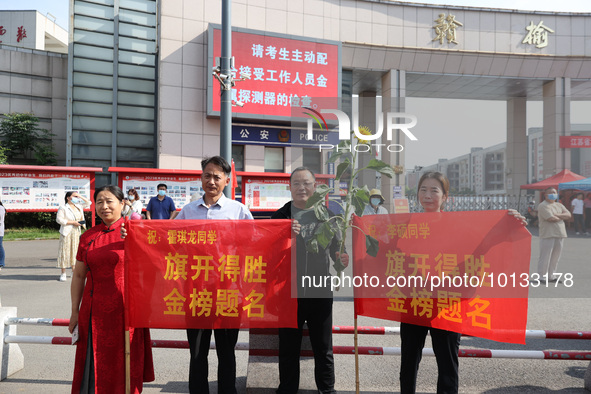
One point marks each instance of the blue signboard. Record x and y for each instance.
(256, 135)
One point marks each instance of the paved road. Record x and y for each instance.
(30, 282)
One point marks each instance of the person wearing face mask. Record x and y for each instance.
(70, 217)
(552, 216)
(132, 204)
(161, 206)
(375, 204)
(2, 216)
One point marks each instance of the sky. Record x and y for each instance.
(60, 8)
(445, 128)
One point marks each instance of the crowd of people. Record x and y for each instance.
(97, 290)
(98, 286)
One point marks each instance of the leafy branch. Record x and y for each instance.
(355, 201)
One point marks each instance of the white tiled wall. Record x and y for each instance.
(45, 88)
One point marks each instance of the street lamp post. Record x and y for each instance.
(226, 90)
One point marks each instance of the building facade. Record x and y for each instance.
(113, 68)
(488, 168)
(34, 71)
(32, 30)
(482, 171)
(580, 154)
(140, 78)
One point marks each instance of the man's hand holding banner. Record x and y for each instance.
(466, 272)
(209, 274)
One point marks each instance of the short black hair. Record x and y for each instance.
(115, 190)
(218, 161)
(68, 194)
(162, 185)
(302, 168)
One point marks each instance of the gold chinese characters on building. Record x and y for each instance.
(537, 35)
(445, 28)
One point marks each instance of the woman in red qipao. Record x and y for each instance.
(97, 308)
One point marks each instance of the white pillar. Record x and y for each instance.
(516, 160)
(393, 100)
(11, 357)
(556, 123)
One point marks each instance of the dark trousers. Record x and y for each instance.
(588, 218)
(446, 345)
(579, 223)
(225, 342)
(318, 313)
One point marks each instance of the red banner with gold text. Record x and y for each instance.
(209, 274)
(466, 272)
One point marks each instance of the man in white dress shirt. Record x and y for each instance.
(213, 205)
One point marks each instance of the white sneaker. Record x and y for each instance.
(62, 277)
(577, 233)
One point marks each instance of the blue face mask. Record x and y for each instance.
(552, 196)
(375, 201)
(162, 192)
(75, 200)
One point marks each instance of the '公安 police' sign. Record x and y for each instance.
(253, 135)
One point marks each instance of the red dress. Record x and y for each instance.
(101, 248)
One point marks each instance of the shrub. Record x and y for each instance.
(46, 220)
(23, 139)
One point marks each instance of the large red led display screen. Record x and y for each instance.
(284, 72)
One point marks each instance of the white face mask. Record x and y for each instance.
(131, 198)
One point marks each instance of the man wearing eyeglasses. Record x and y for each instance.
(314, 303)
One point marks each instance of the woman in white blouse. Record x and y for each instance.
(2, 215)
(70, 217)
(132, 204)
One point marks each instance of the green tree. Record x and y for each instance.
(3, 155)
(23, 139)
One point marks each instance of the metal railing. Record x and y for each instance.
(479, 203)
